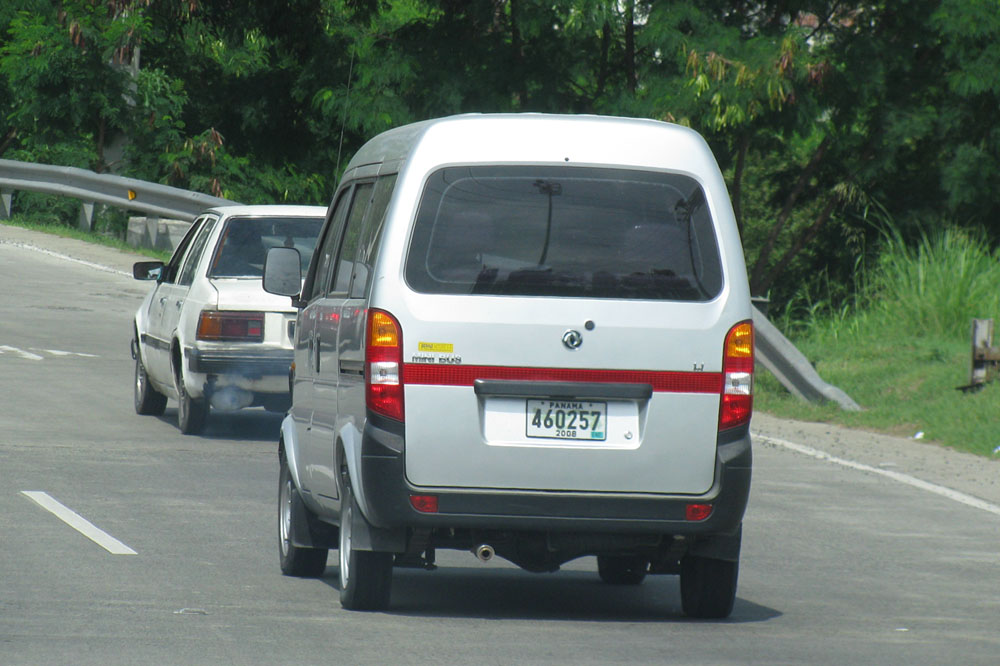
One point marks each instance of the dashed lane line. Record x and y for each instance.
(4, 349)
(913, 481)
(30, 354)
(79, 523)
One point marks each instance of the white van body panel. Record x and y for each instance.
(448, 443)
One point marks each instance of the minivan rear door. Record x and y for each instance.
(563, 330)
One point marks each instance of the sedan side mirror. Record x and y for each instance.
(147, 270)
(283, 272)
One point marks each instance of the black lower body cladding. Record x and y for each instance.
(387, 493)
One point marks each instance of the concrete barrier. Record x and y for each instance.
(155, 233)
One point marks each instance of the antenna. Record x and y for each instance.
(347, 103)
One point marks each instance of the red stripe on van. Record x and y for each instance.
(465, 375)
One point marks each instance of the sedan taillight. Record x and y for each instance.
(242, 326)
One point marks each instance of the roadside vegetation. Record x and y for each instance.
(901, 345)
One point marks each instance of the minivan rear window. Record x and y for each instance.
(564, 231)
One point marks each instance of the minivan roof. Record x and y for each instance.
(540, 138)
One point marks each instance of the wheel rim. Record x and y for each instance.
(345, 545)
(285, 515)
(182, 401)
(140, 378)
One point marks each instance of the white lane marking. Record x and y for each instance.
(20, 352)
(943, 491)
(66, 257)
(58, 352)
(31, 356)
(79, 523)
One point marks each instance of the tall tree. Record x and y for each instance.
(67, 68)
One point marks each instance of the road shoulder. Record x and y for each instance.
(967, 473)
(79, 250)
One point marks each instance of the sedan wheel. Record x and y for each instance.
(148, 401)
(191, 412)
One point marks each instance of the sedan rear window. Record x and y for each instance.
(564, 231)
(245, 241)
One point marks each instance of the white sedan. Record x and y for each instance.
(207, 334)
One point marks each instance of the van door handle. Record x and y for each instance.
(317, 351)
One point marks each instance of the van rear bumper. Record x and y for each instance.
(387, 494)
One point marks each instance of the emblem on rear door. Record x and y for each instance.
(572, 339)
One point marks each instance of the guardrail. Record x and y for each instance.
(774, 351)
(94, 188)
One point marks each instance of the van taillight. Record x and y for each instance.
(384, 365)
(225, 325)
(737, 372)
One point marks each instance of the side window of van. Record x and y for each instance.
(371, 234)
(322, 265)
(344, 265)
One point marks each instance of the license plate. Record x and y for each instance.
(566, 419)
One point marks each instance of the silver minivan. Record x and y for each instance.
(525, 336)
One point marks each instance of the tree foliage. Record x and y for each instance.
(824, 114)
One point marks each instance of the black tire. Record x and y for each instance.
(365, 576)
(295, 560)
(708, 586)
(191, 412)
(622, 569)
(148, 401)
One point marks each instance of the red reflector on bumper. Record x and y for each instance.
(424, 503)
(697, 512)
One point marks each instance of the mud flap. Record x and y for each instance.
(365, 536)
(720, 546)
(308, 531)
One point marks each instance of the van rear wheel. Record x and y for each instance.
(622, 569)
(295, 560)
(708, 586)
(365, 576)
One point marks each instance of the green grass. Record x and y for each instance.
(904, 346)
(71, 232)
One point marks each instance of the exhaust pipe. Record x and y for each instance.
(484, 552)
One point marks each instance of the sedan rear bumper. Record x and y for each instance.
(246, 363)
